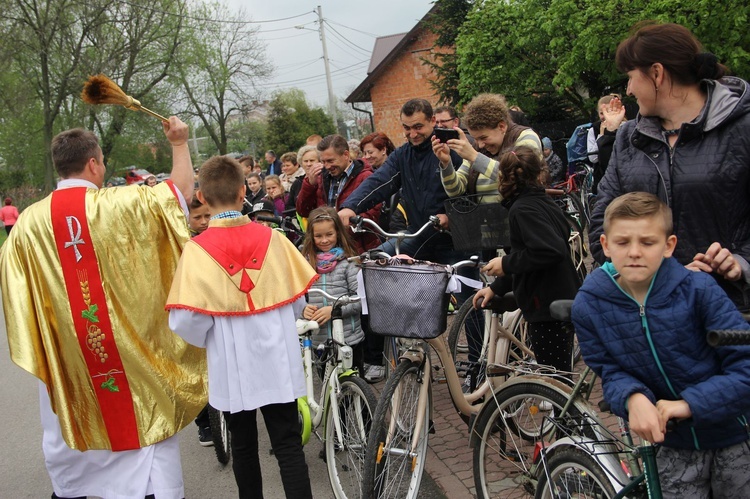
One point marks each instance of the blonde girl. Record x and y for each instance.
(327, 246)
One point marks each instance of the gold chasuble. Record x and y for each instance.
(85, 274)
(238, 267)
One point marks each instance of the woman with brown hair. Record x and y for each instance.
(689, 145)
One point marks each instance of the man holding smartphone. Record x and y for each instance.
(414, 169)
(489, 121)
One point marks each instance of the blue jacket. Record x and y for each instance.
(416, 171)
(660, 349)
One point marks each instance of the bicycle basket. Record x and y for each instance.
(475, 225)
(409, 300)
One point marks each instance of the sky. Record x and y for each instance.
(351, 27)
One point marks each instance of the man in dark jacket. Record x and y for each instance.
(332, 181)
(274, 165)
(704, 179)
(415, 170)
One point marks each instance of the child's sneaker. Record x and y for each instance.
(373, 373)
(205, 437)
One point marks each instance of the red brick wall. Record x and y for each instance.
(406, 78)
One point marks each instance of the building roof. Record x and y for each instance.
(386, 49)
(384, 45)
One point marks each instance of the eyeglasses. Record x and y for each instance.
(441, 123)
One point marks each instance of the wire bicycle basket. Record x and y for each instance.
(407, 300)
(475, 225)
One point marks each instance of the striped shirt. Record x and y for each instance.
(455, 182)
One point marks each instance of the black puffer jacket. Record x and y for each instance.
(705, 178)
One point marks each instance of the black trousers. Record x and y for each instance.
(283, 428)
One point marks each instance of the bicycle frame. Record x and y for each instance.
(343, 366)
(467, 404)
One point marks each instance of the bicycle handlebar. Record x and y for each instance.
(728, 337)
(356, 223)
(270, 218)
(338, 300)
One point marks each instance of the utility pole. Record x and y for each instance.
(331, 97)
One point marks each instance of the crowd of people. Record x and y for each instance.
(671, 228)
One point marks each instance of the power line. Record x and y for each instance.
(301, 80)
(355, 30)
(342, 36)
(355, 54)
(223, 21)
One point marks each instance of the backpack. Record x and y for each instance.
(576, 147)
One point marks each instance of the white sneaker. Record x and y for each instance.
(373, 373)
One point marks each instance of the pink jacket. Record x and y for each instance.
(9, 214)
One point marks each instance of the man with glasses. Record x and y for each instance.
(446, 117)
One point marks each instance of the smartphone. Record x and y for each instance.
(445, 134)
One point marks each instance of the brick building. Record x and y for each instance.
(397, 74)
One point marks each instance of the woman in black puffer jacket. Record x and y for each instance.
(689, 145)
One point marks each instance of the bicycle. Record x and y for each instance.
(346, 402)
(357, 224)
(220, 435)
(397, 446)
(287, 225)
(597, 463)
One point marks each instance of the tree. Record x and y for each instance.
(49, 39)
(291, 120)
(539, 51)
(220, 67)
(446, 22)
(137, 48)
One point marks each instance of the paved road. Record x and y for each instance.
(23, 475)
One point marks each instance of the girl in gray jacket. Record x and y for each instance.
(327, 246)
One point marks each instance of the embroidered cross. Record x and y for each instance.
(75, 239)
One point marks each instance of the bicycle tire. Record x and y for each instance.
(305, 419)
(510, 428)
(395, 475)
(574, 473)
(577, 248)
(457, 337)
(576, 210)
(220, 435)
(345, 462)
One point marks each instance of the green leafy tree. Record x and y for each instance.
(560, 53)
(49, 41)
(446, 22)
(501, 48)
(291, 120)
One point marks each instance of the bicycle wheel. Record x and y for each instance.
(220, 435)
(345, 453)
(510, 430)
(465, 350)
(575, 209)
(396, 471)
(574, 473)
(578, 249)
(465, 341)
